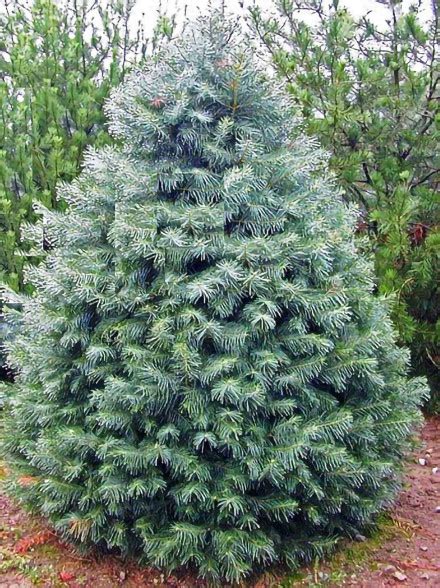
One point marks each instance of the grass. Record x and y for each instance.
(13, 562)
(350, 558)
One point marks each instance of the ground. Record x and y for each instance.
(405, 550)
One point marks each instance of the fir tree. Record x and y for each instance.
(204, 376)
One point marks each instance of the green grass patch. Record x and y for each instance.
(350, 558)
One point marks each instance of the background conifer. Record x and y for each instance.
(369, 91)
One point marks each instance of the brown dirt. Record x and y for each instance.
(405, 551)
(415, 552)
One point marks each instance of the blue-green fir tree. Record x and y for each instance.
(204, 376)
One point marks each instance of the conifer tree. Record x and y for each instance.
(369, 90)
(58, 62)
(204, 377)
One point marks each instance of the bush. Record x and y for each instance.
(205, 377)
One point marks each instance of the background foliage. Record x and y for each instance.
(58, 63)
(371, 95)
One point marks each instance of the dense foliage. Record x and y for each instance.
(370, 93)
(58, 63)
(204, 375)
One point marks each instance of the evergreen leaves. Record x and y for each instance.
(204, 376)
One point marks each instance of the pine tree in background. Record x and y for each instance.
(204, 377)
(58, 64)
(370, 92)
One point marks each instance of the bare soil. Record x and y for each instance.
(415, 552)
(405, 551)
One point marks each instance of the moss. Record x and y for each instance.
(291, 579)
(47, 550)
(12, 562)
(350, 559)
